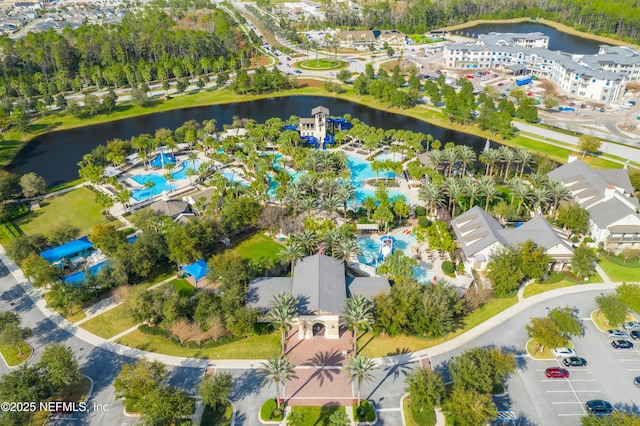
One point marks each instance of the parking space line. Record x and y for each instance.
(566, 403)
(574, 391)
(571, 415)
(632, 369)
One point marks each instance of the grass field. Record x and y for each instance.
(258, 246)
(415, 417)
(220, 417)
(77, 207)
(253, 347)
(536, 288)
(617, 270)
(109, 323)
(11, 355)
(540, 354)
(321, 64)
(373, 346)
(183, 287)
(316, 416)
(601, 322)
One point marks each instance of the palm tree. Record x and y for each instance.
(557, 191)
(331, 238)
(467, 156)
(346, 192)
(450, 156)
(490, 157)
(436, 158)
(454, 190)
(330, 204)
(308, 204)
(525, 158)
(193, 156)
(149, 185)
(291, 253)
(488, 190)
(357, 314)
(540, 197)
(359, 368)
(432, 196)
(308, 240)
(369, 204)
(537, 180)
(519, 189)
(471, 189)
(347, 248)
(123, 197)
(508, 156)
(294, 195)
(278, 371)
(281, 313)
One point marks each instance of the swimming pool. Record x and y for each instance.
(160, 184)
(361, 170)
(370, 254)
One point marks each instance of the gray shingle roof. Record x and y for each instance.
(171, 208)
(476, 230)
(605, 213)
(261, 291)
(319, 282)
(538, 230)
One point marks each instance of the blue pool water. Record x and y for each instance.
(232, 176)
(370, 252)
(361, 170)
(160, 183)
(78, 278)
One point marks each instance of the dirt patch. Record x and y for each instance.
(262, 61)
(308, 82)
(633, 87)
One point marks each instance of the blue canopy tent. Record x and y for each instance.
(78, 278)
(197, 270)
(67, 249)
(162, 159)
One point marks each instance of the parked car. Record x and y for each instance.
(297, 71)
(556, 373)
(469, 76)
(631, 325)
(500, 84)
(636, 381)
(583, 106)
(635, 334)
(601, 109)
(574, 361)
(632, 102)
(617, 334)
(622, 344)
(598, 406)
(563, 352)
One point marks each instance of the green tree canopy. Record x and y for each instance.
(574, 218)
(613, 308)
(426, 388)
(546, 333)
(60, 366)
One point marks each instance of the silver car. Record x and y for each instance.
(617, 334)
(631, 325)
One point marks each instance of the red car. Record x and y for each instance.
(556, 373)
(469, 76)
(500, 84)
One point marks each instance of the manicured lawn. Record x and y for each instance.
(259, 246)
(77, 208)
(12, 356)
(601, 322)
(316, 416)
(220, 417)
(77, 315)
(321, 64)
(267, 411)
(617, 270)
(535, 288)
(540, 354)
(183, 287)
(415, 417)
(253, 347)
(383, 345)
(159, 274)
(110, 323)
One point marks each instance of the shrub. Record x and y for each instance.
(270, 412)
(420, 211)
(460, 268)
(587, 240)
(448, 267)
(365, 412)
(553, 278)
(423, 221)
(575, 240)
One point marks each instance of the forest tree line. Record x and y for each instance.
(149, 45)
(616, 18)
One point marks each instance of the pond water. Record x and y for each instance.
(558, 40)
(55, 156)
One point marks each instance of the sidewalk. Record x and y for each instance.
(38, 300)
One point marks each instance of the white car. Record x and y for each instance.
(617, 334)
(563, 352)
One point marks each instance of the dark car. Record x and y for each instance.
(636, 381)
(297, 71)
(599, 406)
(574, 361)
(601, 109)
(635, 334)
(622, 344)
(556, 373)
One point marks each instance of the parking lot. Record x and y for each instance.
(609, 376)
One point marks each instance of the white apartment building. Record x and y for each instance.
(592, 77)
(514, 39)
